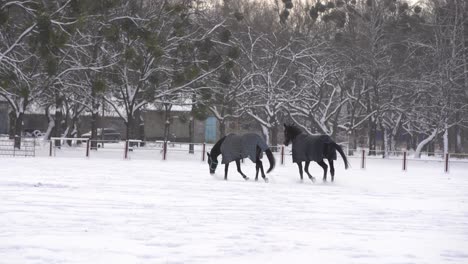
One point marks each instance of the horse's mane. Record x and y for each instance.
(294, 130)
(216, 150)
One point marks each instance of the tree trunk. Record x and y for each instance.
(266, 134)
(58, 120)
(72, 130)
(191, 134)
(431, 148)
(167, 120)
(140, 129)
(458, 141)
(94, 128)
(335, 122)
(457, 135)
(446, 140)
(167, 124)
(51, 125)
(414, 141)
(129, 126)
(385, 142)
(12, 121)
(274, 138)
(371, 137)
(464, 43)
(417, 153)
(18, 130)
(393, 142)
(222, 128)
(352, 142)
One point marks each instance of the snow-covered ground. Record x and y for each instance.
(78, 210)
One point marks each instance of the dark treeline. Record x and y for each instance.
(352, 69)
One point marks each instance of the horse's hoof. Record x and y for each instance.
(246, 178)
(256, 179)
(312, 179)
(266, 179)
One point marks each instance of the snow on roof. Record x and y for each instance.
(109, 111)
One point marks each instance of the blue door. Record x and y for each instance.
(210, 129)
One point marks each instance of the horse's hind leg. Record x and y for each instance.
(307, 163)
(257, 168)
(259, 165)
(240, 171)
(299, 165)
(226, 168)
(325, 168)
(332, 169)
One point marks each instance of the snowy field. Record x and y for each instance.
(78, 210)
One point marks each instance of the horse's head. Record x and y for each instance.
(290, 132)
(212, 162)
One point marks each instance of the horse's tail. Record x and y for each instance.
(271, 159)
(340, 150)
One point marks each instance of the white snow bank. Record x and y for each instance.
(68, 210)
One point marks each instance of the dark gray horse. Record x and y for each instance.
(312, 148)
(236, 147)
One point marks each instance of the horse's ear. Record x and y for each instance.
(208, 154)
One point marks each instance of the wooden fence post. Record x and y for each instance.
(363, 163)
(50, 150)
(126, 149)
(447, 156)
(87, 148)
(404, 160)
(282, 155)
(203, 152)
(164, 150)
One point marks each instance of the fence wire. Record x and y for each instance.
(160, 150)
(27, 148)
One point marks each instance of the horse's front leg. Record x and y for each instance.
(299, 165)
(240, 171)
(307, 163)
(226, 168)
(325, 168)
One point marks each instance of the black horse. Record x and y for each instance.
(312, 148)
(235, 147)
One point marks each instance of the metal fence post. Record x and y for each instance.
(164, 150)
(50, 150)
